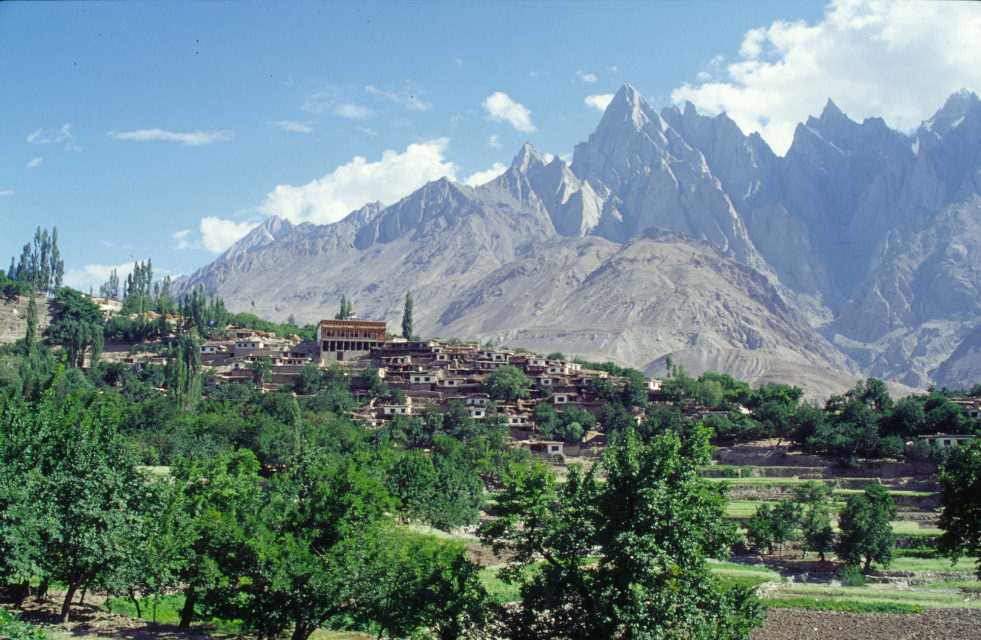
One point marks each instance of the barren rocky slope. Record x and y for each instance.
(863, 234)
(13, 318)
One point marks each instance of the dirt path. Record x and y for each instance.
(89, 622)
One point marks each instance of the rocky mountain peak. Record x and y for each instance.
(271, 230)
(528, 159)
(831, 113)
(868, 234)
(627, 107)
(960, 106)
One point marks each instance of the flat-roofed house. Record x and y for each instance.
(947, 440)
(343, 340)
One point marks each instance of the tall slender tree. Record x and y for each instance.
(346, 311)
(31, 336)
(407, 317)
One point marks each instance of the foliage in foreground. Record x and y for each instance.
(11, 628)
(961, 517)
(628, 553)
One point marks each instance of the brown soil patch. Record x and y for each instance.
(934, 624)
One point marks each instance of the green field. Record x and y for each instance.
(844, 605)
(926, 597)
(933, 565)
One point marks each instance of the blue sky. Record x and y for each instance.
(164, 130)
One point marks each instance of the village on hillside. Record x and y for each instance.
(423, 374)
(437, 374)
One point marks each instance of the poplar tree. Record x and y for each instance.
(346, 310)
(407, 317)
(31, 335)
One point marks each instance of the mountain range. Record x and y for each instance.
(673, 233)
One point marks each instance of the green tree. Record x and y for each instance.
(960, 520)
(312, 553)
(458, 490)
(157, 549)
(30, 337)
(507, 384)
(628, 554)
(84, 486)
(261, 369)
(77, 326)
(412, 481)
(310, 381)
(814, 499)
(184, 370)
(215, 496)
(428, 590)
(866, 528)
(346, 310)
(407, 317)
(774, 525)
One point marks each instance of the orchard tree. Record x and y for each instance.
(774, 525)
(627, 554)
(214, 496)
(866, 528)
(814, 499)
(508, 384)
(82, 488)
(960, 479)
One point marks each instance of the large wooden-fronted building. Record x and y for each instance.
(342, 340)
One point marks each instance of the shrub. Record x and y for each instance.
(851, 576)
(11, 628)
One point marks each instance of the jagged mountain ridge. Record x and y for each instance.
(823, 226)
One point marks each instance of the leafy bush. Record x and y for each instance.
(11, 628)
(851, 576)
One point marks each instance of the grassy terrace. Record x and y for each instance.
(758, 481)
(872, 598)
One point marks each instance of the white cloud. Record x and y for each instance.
(352, 185)
(62, 135)
(218, 234)
(93, 276)
(494, 142)
(353, 111)
(293, 126)
(186, 138)
(899, 60)
(406, 97)
(182, 239)
(6, 192)
(590, 78)
(600, 101)
(34, 163)
(327, 101)
(501, 107)
(483, 177)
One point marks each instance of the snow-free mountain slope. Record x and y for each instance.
(671, 233)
